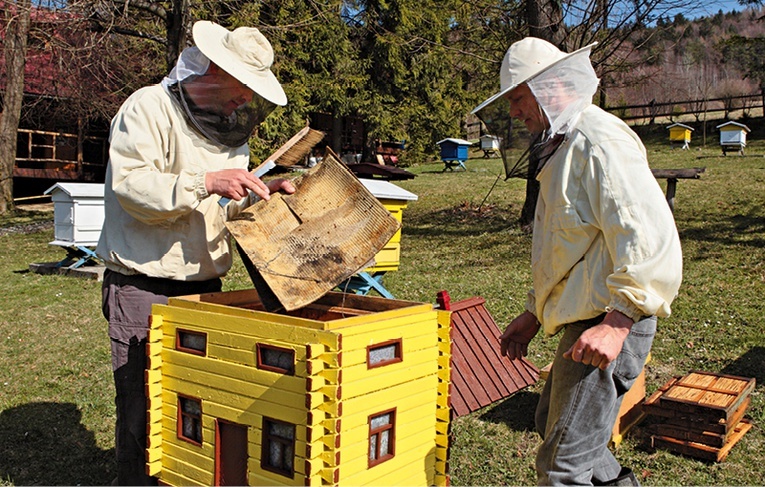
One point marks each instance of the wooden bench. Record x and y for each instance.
(672, 175)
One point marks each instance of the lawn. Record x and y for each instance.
(462, 235)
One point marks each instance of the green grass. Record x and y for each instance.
(56, 392)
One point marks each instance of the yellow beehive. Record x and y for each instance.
(395, 199)
(350, 390)
(680, 134)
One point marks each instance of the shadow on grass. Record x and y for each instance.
(740, 229)
(45, 443)
(749, 365)
(517, 411)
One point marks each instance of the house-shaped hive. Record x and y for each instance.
(350, 390)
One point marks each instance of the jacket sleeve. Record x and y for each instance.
(638, 227)
(151, 182)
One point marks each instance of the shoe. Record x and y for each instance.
(626, 478)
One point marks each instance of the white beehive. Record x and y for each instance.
(78, 213)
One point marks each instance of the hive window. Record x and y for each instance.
(276, 359)
(190, 419)
(278, 454)
(385, 353)
(191, 342)
(382, 437)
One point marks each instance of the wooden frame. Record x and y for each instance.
(398, 353)
(288, 448)
(179, 333)
(376, 455)
(183, 414)
(261, 364)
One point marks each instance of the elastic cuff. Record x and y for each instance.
(626, 308)
(200, 188)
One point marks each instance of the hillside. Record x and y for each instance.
(681, 59)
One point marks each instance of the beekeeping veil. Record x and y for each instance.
(563, 85)
(244, 54)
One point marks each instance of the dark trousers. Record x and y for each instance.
(126, 304)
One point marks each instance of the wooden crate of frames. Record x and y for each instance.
(701, 414)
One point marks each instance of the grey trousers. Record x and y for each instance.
(126, 304)
(579, 406)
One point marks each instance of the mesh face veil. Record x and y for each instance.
(562, 90)
(215, 115)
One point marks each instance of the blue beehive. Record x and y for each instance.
(454, 152)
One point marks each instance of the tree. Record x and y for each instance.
(17, 19)
(164, 22)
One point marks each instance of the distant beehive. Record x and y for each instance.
(733, 137)
(349, 390)
(395, 199)
(680, 134)
(78, 213)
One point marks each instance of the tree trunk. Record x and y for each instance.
(545, 21)
(15, 47)
(175, 24)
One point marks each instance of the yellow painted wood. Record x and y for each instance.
(212, 308)
(253, 324)
(169, 477)
(679, 134)
(290, 411)
(262, 477)
(419, 421)
(154, 469)
(392, 377)
(191, 473)
(230, 376)
(382, 321)
(416, 363)
(355, 471)
(388, 258)
(355, 351)
(246, 418)
(261, 408)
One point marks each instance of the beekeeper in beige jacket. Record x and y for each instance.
(176, 148)
(606, 258)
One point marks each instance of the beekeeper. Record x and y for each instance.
(175, 149)
(606, 257)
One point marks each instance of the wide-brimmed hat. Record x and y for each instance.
(244, 53)
(525, 60)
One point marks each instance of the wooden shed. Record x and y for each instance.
(349, 390)
(680, 134)
(733, 137)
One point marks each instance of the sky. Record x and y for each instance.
(711, 7)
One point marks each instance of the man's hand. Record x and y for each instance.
(235, 184)
(600, 345)
(514, 342)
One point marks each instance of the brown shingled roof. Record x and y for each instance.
(480, 376)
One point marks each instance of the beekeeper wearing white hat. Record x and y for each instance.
(172, 147)
(606, 257)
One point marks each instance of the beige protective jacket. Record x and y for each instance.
(159, 219)
(604, 236)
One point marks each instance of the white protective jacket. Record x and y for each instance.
(159, 219)
(604, 236)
